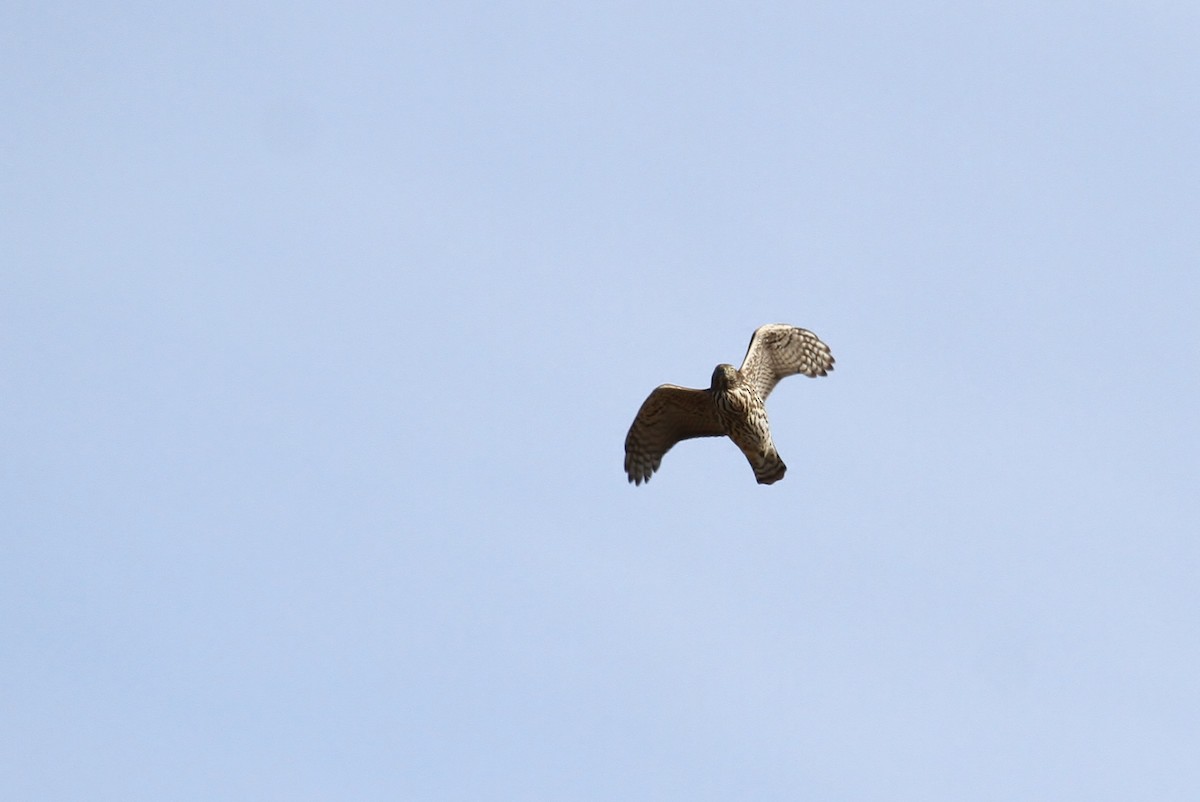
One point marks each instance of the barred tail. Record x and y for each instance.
(769, 468)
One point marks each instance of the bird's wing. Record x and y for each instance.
(668, 415)
(778, 350)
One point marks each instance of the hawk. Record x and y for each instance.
(731, 406)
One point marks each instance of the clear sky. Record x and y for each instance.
(321, 327)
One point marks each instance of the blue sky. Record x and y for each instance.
(322, 327)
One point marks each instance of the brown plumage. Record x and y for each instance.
(732, 405)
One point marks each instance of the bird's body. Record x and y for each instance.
(732, 406)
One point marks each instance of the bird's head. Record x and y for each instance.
(724, 377)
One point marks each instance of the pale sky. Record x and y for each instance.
(322, 326)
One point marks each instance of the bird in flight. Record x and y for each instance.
(732, 405)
